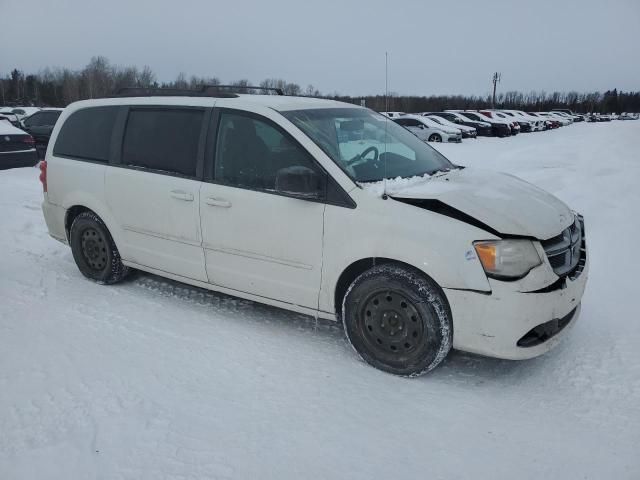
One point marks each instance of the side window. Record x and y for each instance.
(86, 134)
(163, 139)
(254, 153)
(47, 118)
(18, 111)
(34, 120)
(410, 122)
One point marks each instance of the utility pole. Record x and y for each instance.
(386, 81)
(496, 79)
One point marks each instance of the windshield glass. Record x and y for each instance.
(366, 145)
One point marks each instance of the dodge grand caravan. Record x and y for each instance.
(318, 207)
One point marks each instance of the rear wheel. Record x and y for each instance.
(434, 137)
(398, 320)
(94, 251)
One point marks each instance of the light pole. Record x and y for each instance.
(496, 78)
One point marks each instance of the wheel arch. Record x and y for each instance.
(358, 267)
(77, 208)
(71, 215)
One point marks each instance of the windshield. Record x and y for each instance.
(367, 146)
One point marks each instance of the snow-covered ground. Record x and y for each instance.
(153, 379)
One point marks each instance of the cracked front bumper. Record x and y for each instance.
(493, 324)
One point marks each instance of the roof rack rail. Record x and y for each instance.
(203, 91)
(168, 92)
(278, 91)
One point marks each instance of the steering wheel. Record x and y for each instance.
(361, 156)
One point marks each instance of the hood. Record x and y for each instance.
(506, 204)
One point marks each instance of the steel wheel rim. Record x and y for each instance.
(391, 324)
(94, 249)
(435, 138)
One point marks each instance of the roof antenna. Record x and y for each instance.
(386, 123)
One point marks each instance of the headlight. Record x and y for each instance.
(507, 259)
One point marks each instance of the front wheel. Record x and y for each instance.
(398, 320)
(434, 137)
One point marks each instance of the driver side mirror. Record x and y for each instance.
(301, 182)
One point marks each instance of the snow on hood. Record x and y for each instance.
(505, 203)
(393, 186)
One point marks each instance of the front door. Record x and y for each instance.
(262, 232)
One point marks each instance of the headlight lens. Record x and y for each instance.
(507, 259)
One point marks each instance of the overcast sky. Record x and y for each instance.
(435, 47)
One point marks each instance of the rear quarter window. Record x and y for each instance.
(86, 134)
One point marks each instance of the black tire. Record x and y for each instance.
(434, 137)
(409, 330)
(94, 250)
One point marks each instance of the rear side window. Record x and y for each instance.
(86, 134)
(163, 139)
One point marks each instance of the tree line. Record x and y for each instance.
(57, 87)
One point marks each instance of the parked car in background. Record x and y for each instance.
(21, 112)
(499, 126)
(17, 148)
(563, 119)
(467, 132)
(569, 117)
(482, 128)
(513, 123)
(575, 116)
(537, 124)
(426, 129)
(413, 254)
(628, 116)
(548, 122)
(393, 114)
(40, 125)
(7, 114)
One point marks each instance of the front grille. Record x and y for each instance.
(567, 252)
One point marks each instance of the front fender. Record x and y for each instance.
(439, 246)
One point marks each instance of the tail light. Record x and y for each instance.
(43, 175)
(28, 139)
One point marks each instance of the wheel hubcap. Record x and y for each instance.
(94, 249)
(391, 322)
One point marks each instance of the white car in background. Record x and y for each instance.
(537, 124)
(563, 119)
(393, 114)
(566, 116)
(20, 112)
(467, 132)
(428, 130)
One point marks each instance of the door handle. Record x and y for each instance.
(181, 195)
(218, 202)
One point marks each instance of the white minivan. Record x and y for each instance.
(319, 207)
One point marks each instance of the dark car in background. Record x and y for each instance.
(483, 128)
(500, 129)
(40, 125)
(17, 148)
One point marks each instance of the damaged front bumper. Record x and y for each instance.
(513, 322)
